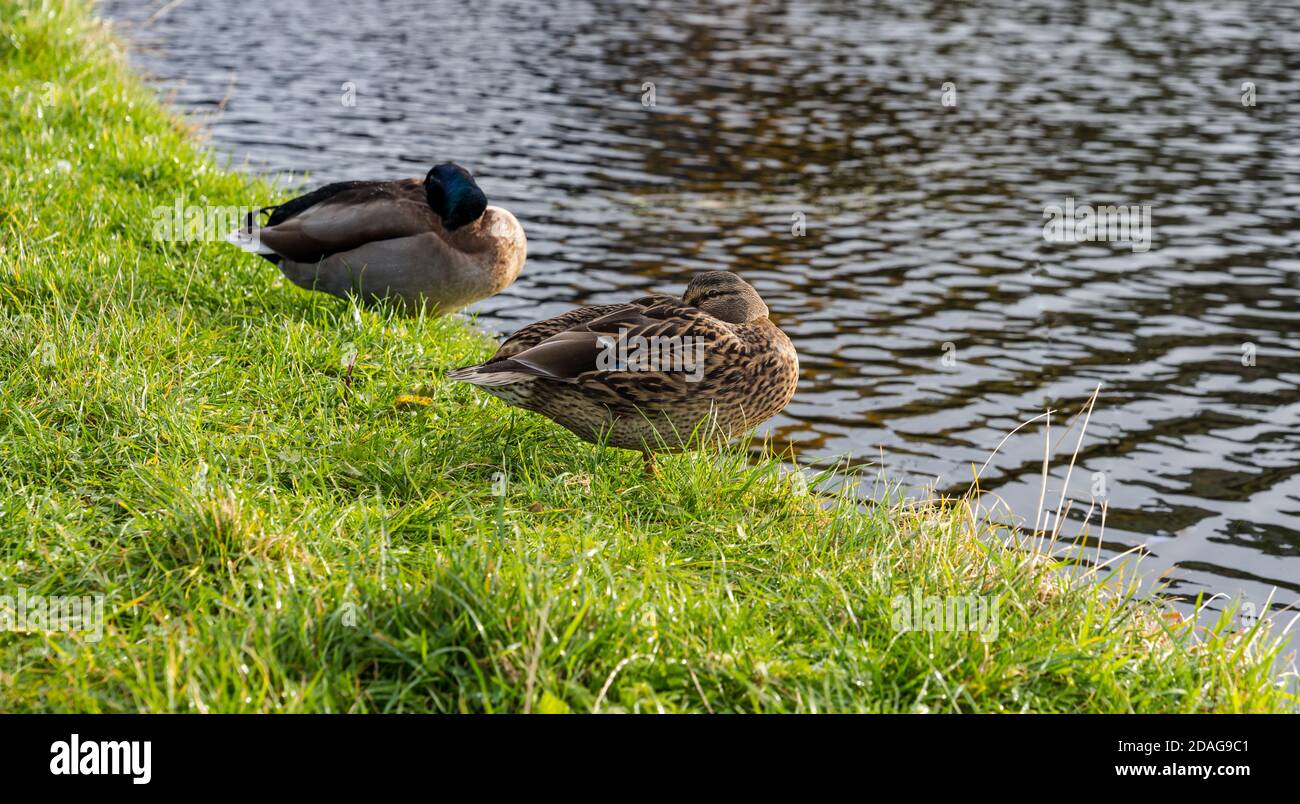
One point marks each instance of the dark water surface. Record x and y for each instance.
(924, 222)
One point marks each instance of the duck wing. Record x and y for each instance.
(344, 216)
(579, 352)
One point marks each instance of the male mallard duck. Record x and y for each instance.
(434, 241)
(650, 374)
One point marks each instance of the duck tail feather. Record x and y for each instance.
(249, 241)
(484, 375)
(248, 236)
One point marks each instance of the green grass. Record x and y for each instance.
(178, 431)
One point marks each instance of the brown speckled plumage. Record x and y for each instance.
(749, 372)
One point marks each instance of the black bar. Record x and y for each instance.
(213, 754)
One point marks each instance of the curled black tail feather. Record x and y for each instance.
(249, 223)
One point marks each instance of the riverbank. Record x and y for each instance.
(235, 465)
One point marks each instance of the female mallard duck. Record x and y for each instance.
(652, 374)
(433, 242)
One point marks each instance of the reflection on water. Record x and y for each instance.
(924, 221)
